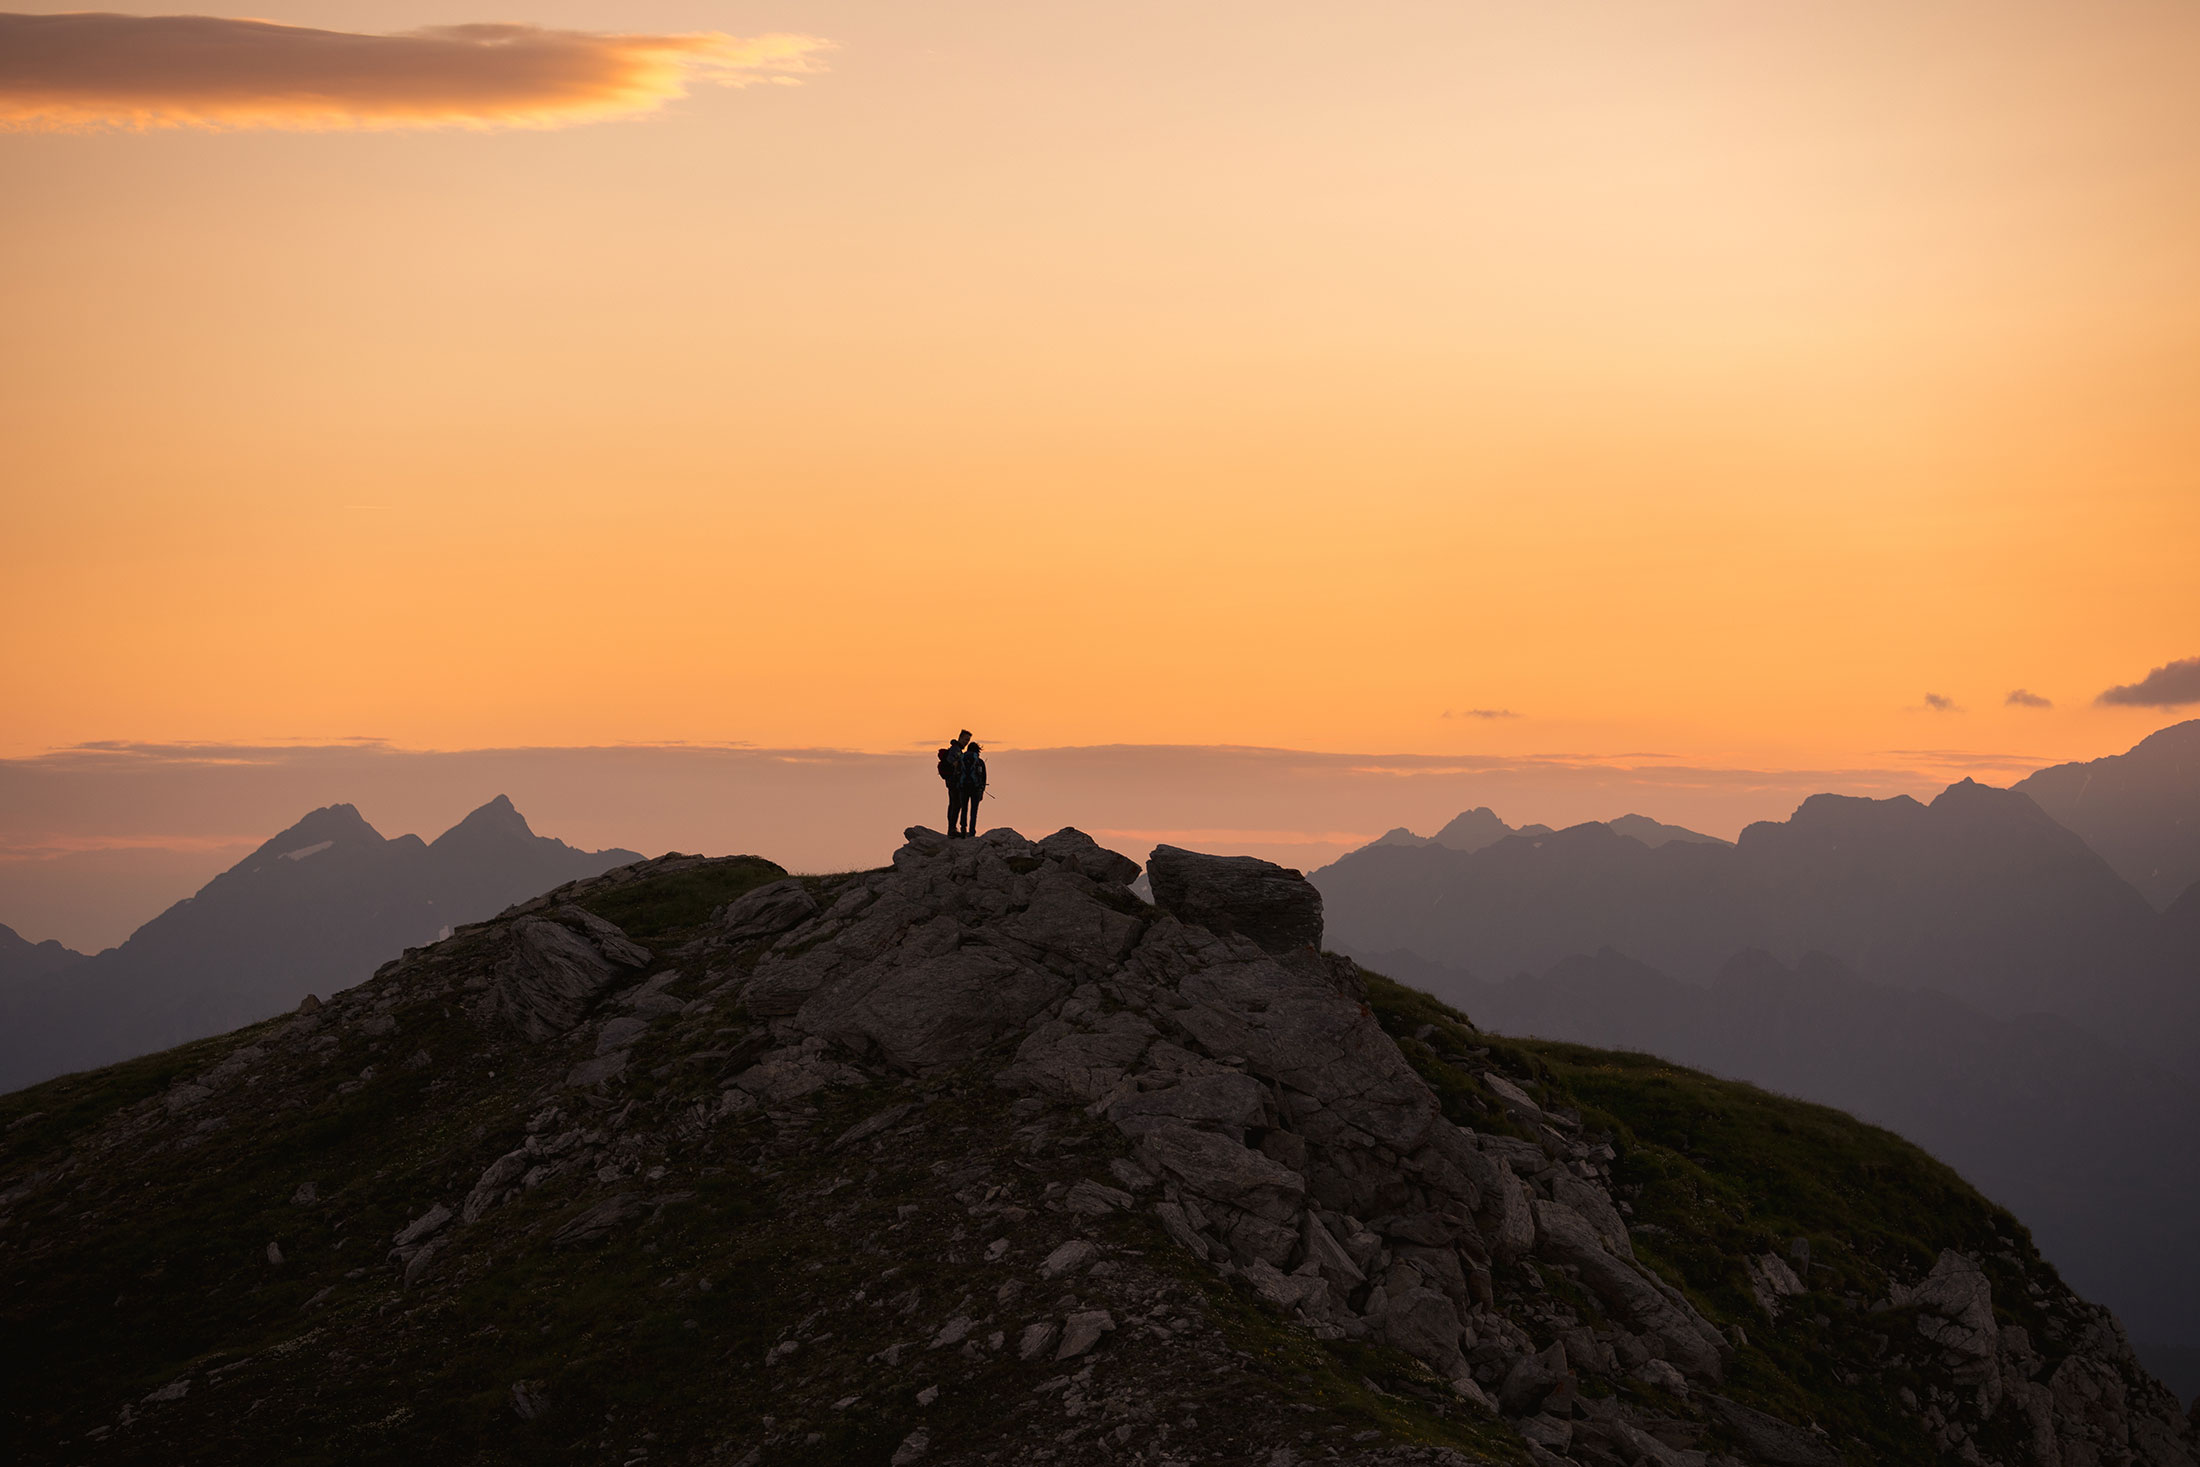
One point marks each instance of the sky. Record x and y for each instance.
(1794, 391)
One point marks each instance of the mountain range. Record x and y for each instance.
(1979, 895)
(314, 909)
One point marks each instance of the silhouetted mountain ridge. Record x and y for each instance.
(1979, 895)
(315, 908)
(22, 960)
(2140, 809)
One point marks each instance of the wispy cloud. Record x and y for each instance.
(2025, 698)
(1480, 713)
(1940, 704)
(64, 72)
(2168, 686)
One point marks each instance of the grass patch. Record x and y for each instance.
(662, 907)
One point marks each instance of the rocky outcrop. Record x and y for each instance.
(1288, 1137)
(554, 969)
(1273, 905)
(2092, 1405)
(1280, 1135)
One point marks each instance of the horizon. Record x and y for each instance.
(97, 840)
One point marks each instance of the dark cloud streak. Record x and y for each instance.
(2025, 698)
(2169, 686)
(60, 72)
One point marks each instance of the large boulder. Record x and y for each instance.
(553, 971)
(1275, 906)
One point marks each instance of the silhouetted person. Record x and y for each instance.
(973, 788)
(951, 773)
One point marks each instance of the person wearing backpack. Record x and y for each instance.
(973, 788)
(951, 770)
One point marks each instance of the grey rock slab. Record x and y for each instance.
(1071, 930)
(619, 1033)
(935, 1013)
(1515, 1098)
(1328, 1255)
(614, 1211)
(765, 912)
(1770, 1281)
(1955, 1306)
(1094, 1199)
(1289, 1024)
(1038, 1339)
(1273, 905)
(1594, 1204)
(1769, 1439)
(1081, 1063)
(1216, 1167)
(608, 937)
(1178, 1226)
(596, 1071)
(1420, 1321)
(497, 1177)
(417, 1265)
(421, 1226)
(1691, 1342)
(550, 975)
(789, 1074)
(1079, 852)
(1068, 1258)
(1082, 1330)
(874, 1123)
(1228, 1101)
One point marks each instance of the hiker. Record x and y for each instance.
(973, 788)
(951, 771)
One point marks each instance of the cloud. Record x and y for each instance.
(2167, 686)
(66, 72)
(2023, 698)
(1481, 713)
(1939, 704)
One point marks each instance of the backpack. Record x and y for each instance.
(973, 775)
(951, 763)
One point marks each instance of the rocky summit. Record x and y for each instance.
(982, 1158)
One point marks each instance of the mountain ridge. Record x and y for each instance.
(2140, 809)
(313, 908)
(1978, 894)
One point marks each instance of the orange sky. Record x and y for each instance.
(1716, 380)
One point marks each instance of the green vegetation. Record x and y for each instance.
(1717, 1171)
(665, 907)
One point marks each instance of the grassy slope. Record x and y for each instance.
(1716, 1171)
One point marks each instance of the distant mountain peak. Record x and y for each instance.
(499, 819)
(1655, 833)
(330, 825)
(1470, 830)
